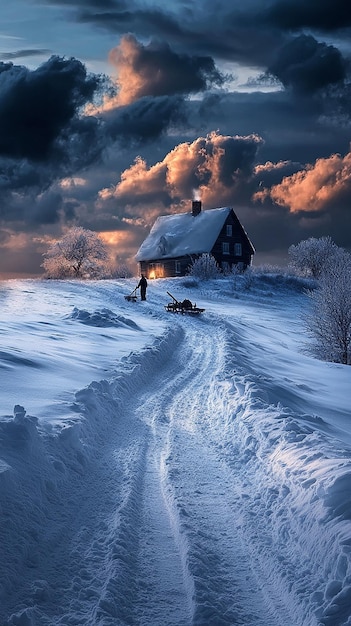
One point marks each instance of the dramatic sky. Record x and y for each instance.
(115, 112)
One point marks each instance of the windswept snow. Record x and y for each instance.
(165, 470)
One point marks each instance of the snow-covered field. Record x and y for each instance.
(168, 470)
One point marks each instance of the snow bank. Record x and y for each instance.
(277, 423)
(39, 461)
(102, 318)
(293, 466)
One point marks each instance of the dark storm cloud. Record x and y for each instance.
(293, 128)
(45, 136)
(93, 4)
(36, 106)
(247, 33)
(308, 66)
(143, 120)
(20, 54)
(325, 15)
(143, 22)
(31, 210)
(237, 154)
(209, 28)
(152, 145)
(123, 16)
(156, 70)
(45, 208)
(4, 236)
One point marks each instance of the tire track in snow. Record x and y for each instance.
(146, 580)
(148, 536)
(86, 559)
(199, 498)
(204, 494)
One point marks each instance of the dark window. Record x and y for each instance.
(238, 249)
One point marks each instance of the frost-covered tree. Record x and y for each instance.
(329, 321)
(310, 256)
(79, 254)
(205, 267)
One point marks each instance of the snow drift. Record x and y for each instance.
(131, 438)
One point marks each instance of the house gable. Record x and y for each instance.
(232, 246)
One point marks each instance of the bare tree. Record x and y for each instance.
(329, 321)
(205, 267)
(310, 256)
(79, 254)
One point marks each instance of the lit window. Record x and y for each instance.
(238, 249)
(225, 247)
(229, 230)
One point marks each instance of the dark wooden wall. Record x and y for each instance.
(166, 268)
(238, 236)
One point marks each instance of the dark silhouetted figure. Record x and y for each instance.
(142, 284)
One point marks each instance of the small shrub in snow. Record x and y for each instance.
(273, 270)
(121, 271)
(205, 267)
(329, 322)
(190, 283)
(80, 254)
(282, 277)
(241, 279)
(248, 278)
(311, 256)
(236, 277)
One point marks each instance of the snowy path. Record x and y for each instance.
(203, 482)
(213, 564)
(148, 532)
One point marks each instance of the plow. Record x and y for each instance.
(132, 296)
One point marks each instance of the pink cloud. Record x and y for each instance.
(313, 188)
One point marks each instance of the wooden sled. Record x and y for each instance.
(184, 306)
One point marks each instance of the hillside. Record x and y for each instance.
(158, 469)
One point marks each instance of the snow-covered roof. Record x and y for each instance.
(182, 233)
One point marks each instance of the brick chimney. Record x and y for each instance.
(196, 207)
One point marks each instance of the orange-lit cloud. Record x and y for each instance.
(121, 245)
(72, 183)
(269, 166)
(130, 83)
(120, 238)
(214, 166)
(156, 70)
(14, 241)
(315, 187)
(138, 180)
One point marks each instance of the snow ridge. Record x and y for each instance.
(290, 478)
(200, 480)
(43, 475)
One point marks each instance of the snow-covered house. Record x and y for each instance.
(175, 241)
